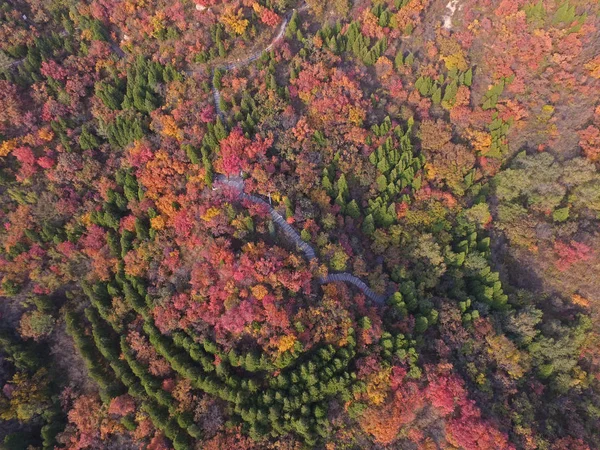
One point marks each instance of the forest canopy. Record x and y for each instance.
(281, 224)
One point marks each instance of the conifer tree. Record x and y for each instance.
(352, 209)
(368, 226)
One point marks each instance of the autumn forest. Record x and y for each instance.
(299, 224)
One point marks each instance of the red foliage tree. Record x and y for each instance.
(269, 17)
(10, 106)
(571, 253)
(589, 141)
(158, 442)
(122, 405)
(407, 400)
(86, 417)
(238, 152)
(27, 159)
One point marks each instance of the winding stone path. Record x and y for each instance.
(237, 184)
(286, 228)
(360, 284)
(217, 99)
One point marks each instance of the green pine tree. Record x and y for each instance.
(436, 98)
(469, 78)
(368, 226)
(87, 140)
(353, 210)
(342, 186)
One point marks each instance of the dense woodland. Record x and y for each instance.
(181, 181)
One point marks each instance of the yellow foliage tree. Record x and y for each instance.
(157, 223)
(259, 291)
(46, 134)
(286, 343)
(210, 214)
(456, 61)
(481, 140)
(170, 128)
(384, 67)
(581, 301)
(594, 67)
(452, 54)
(507, 356)
(7, 146)
(378, 384)
(158, 23)
(234, 21)
(316, 7)
(356, 115)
